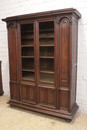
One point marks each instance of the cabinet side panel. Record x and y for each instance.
(74, 61)
(64, 99)
(64, 52)
(12, 42)
(12, 53)
(64, 26)
(14, 88)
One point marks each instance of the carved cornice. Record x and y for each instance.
(65, 18)
(12, 25)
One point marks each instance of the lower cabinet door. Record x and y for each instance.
(28, 93)
(47, 97)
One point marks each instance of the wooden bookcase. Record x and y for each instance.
(43, 61)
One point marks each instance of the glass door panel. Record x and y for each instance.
(46, 52)
(27, 52)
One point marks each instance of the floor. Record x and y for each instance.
(19, 119)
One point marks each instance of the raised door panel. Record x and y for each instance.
(64, 35)
(64, 97)
(27, 93)
(47, 97)
(14, 90)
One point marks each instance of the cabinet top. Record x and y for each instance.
(42, 14)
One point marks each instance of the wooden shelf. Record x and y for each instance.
(27, 79)
(47, 78)
(28, 70)
(26, 36)
(46, 45)
(27, 45)
(30, 38)
(47, 72)
(47, 57)
(46, 37)
(27, 56)
(27, 42)
(46, 82)
(28, 31)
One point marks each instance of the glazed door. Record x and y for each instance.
(46, 85)
(28, 88)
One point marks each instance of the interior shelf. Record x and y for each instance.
(28, 64)
(47, 78)
(28, 70)
(27, 32)
(47, 72)
(46, 45)
(28, 38)
(47, 51)
(28, 76)
(46, 42)
(47, 65)
(29, 51)
(47, 57)
(27, 56)
(27, 45)
(46, 35)
(27, 42)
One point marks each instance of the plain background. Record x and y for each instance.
(18, 7)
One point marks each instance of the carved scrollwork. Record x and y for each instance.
(64, 18)
(12, 25)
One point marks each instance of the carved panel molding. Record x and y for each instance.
(64, 18)
(12, 25)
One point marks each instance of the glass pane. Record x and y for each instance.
(47, 65)
(46, 52)
(47, 78)
(27, 52)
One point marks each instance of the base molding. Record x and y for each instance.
(37, 108)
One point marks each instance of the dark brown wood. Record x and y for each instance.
(42, 14)
(1, 86)
(43, 61)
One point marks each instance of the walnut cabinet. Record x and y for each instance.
(43, 61)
